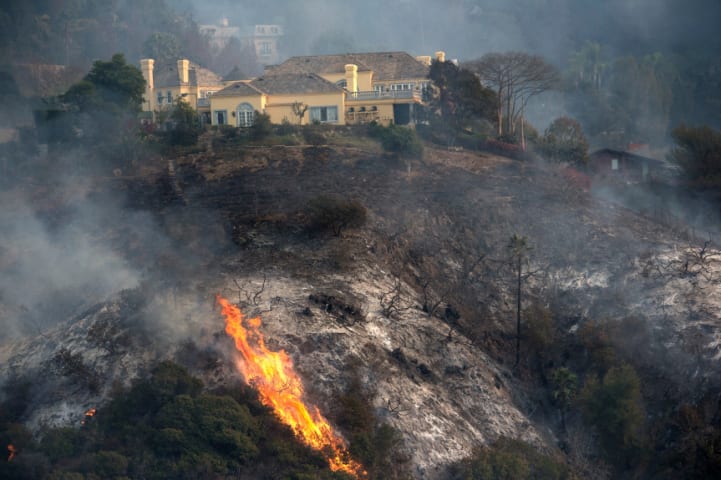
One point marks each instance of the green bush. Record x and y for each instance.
(509, 459)
(397, 139)
(164, 426)
(261, 128)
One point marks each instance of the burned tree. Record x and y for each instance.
(518, 249)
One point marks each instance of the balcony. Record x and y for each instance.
(376, 95)
(203, 102)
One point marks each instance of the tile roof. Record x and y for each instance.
(242, 89)
(278, 84)
(167, 76)
(385, 65)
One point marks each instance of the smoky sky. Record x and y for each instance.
(467, 29)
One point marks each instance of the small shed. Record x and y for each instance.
(621, 165)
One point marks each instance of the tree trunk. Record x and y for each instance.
(518, 314)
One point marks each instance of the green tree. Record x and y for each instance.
(185, 124)
(564, 141)
(698, 153)
(614, 407)
(565, 386)
(117, 84)
(460, 96)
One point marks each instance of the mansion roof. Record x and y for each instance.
(279, 84)
(386, 66)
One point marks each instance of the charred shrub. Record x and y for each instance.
(313, 135)
(331, 213)
(343, 308)
(72, 365)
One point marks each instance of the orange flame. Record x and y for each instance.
(13, 452)
(89, 414)
(280, 388)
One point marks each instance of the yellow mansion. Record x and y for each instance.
(342, 89)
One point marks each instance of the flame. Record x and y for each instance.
(88, 415)
(281, 389)
(13, 452)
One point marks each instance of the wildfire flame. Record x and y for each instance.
(13, 452)
(88, 415)
(280, 388)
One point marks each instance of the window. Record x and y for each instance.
(220, 117)
(377, 88)
(402, 86)
(266, 48)
(170, 96)
(341, 84)
(614, 164)
(324, 114)
(160, 98)
(245, 115)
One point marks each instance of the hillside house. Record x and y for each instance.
(263, 40)
(620, 165)
(352, 88)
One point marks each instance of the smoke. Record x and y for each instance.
(53, 266)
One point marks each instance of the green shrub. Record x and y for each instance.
(509, 459)
(397, 139)
(261, 128)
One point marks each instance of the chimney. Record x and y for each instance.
(183, 66)
(424, 59)
(351, 78)
(146, 66)
(440, 56)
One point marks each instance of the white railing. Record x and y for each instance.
(373, 95)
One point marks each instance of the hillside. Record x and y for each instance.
(417, 304)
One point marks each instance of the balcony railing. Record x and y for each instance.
(203, 102)
(374, 95)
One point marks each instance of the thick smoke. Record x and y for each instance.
(53, 266)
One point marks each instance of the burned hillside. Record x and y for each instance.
(416, 301)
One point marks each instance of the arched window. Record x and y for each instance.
(245, 115)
